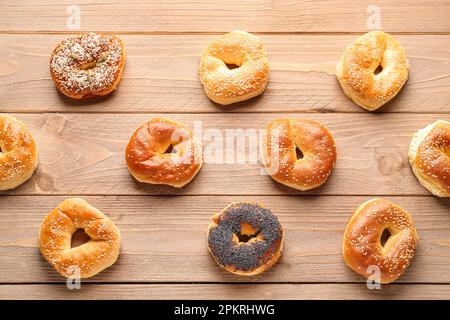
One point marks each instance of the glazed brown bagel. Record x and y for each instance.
(283, 138)
(373, 69)
(429, 156)
(162, 151)
(226, 86)
(245, 238)
(88, 65)
(362, 247)
(55, 236)
(18, 152)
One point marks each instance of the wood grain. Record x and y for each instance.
(230, 292)
(164, 253)
(164, 239)
(161, 76)
(213, 16)
(84, 154)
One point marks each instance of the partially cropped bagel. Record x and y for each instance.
(226, 86)
(373, 69)
(88, 259)
(18, 152)
(429, 156)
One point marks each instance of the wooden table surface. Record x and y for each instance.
(164, 252)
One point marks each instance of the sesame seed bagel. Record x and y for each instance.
(18, 152)
(226, 86)
(429, 156)
(362, 247)
(88, 65)
(245, 238)
(88, 259)
(162, 151)
(283, 138)
(359, 71)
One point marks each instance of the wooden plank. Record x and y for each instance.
(225, 292)
(164, 247)
(84, 154)
(161, 76)
(164, 239)
(213, 16)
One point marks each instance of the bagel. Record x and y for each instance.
(283, 138)
(429, 156)
(18, 152)
(226, 86)
(362, 246)
(88, 65)
(245, 238)
(162, 151)
(373, 69)
(88, 259)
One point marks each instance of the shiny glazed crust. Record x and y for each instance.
(362, 248)
(148, 161)
(88, 65)
(250, 258)
(429, 156)
(226, 86)
(283, 137)
(89, 258)
(18, 153)
(356, 70)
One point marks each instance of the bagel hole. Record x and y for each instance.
(79, 237)
(232, 66)
(169, 149)
(298, 153)
(378, 70)
(247, 233)
(385, 235)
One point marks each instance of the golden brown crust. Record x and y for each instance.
(225, 86)
(259, 253)
(362, 246)
(88, 65)
(18, 152)
(356, 70)
(429, 156)
(148, 161)
(283, 137)
(100, 252)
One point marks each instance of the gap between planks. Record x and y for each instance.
(74, 195)
(144, 283)
(207, 33)
(30, 112)
(219, 291)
